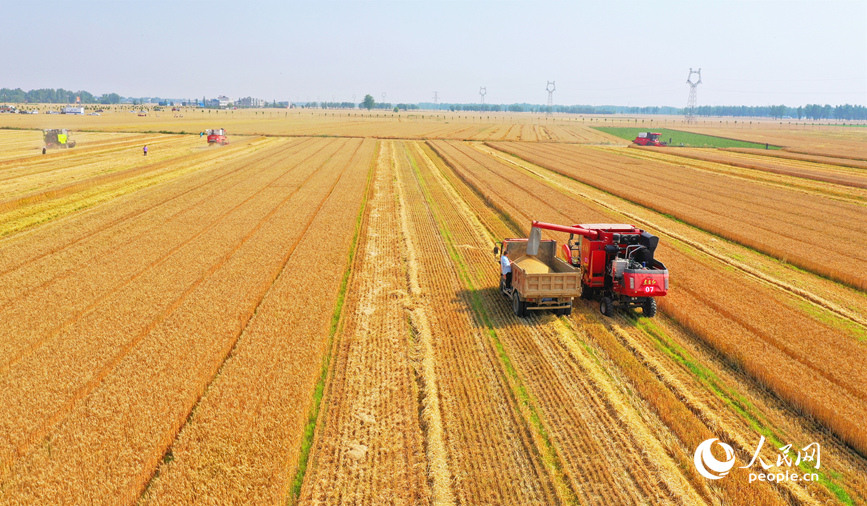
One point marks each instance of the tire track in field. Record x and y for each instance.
(82, 391)
(16, 356)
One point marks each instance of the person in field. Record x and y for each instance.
(506, 266)
(145, 151)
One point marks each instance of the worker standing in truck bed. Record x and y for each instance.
(506, 265)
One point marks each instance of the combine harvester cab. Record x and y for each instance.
(57, 138)
(649, 139)
(540, 281)
(217, 136)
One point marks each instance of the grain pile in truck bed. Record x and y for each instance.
(532, 265)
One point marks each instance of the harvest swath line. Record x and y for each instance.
(124, 350)
(274, 368)
(370, 385)
(16, 357)
(233, 343)
(21, 293)
(469, 357)
(79, 238)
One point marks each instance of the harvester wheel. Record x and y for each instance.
(649, 307)
(519, 306)
(606, 307)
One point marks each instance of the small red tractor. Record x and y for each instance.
(217, 136)
(648, 139)
(617, 264)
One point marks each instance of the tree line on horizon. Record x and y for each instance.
(846, 112)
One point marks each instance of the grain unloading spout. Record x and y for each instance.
(533, 242)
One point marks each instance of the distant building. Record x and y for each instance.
(251, 102)
(222, 102)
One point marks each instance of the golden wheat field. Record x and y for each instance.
(310, 315)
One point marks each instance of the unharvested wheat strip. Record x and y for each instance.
(46, 312)
(66, 365)
(200, 330)
(371, 446)
(736, 319)
(230, 451)
(582, 437)
(39, 259)
(492, 454)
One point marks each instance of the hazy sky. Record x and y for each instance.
(757, 52)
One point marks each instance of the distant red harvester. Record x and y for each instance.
(648, 139)
(217, 136)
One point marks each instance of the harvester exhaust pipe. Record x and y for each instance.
(533, 242)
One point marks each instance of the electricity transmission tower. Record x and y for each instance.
(436, 99)
(551, 87)
(693, 86)
(482, 92)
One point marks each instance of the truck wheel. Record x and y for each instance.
(566, 311)
(518, 306)
(606, 307)
(649, 307)
(586, 292)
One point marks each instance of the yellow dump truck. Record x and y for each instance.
(541, 281)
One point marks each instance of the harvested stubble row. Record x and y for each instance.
(824, 172)
(777, 221)
(18, 145)
(731, 315)
(492, 456)
(242, 444)
(370, 449)
(134, 365)
(604, 449)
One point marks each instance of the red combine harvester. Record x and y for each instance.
(648, 139)
(217, 136)
(616, 262)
